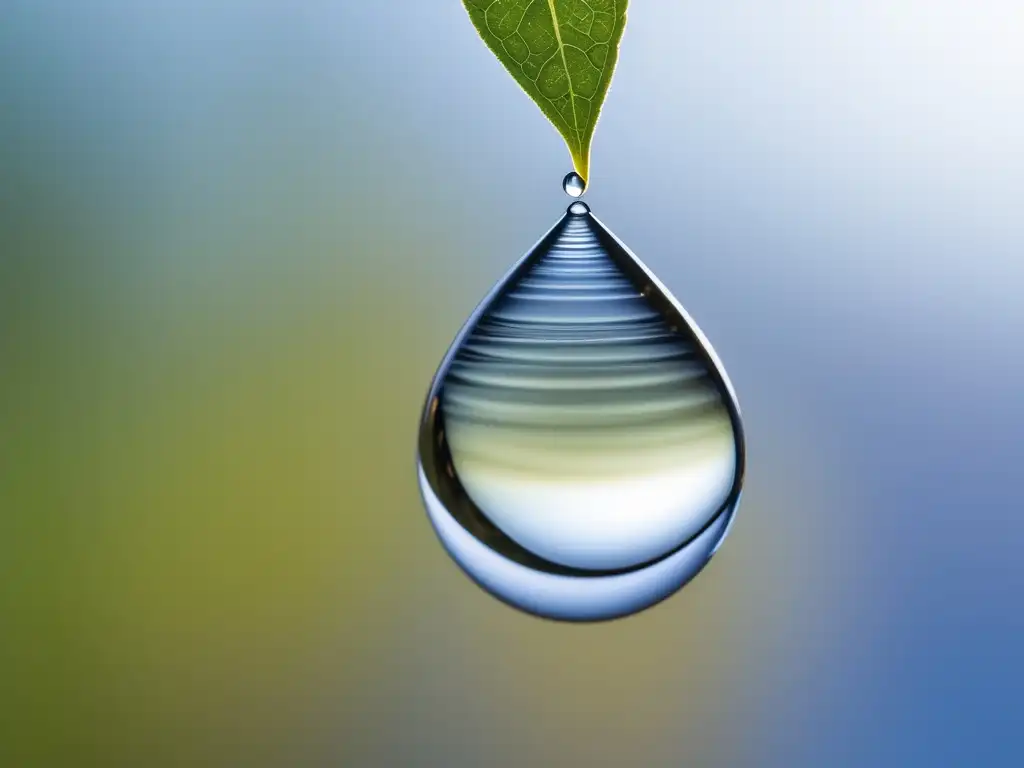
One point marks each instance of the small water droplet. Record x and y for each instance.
(586, 457)
(578, 208)
(574, 184)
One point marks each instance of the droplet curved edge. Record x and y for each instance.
(569, 598)
(716, 364)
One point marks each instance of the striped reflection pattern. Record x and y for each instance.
(586, 425)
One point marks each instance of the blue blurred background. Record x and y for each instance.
(235, 239)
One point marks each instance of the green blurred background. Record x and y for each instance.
(236, 239)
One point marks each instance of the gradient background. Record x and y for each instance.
(235, 239)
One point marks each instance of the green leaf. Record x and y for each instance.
(562, 53)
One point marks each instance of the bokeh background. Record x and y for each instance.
(237, 236)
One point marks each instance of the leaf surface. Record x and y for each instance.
(562, 53)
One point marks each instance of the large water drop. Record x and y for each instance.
(581, 452)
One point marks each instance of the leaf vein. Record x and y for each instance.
(568, 76)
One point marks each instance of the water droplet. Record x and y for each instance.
(574, 184)
(596, 443)
(578, 208)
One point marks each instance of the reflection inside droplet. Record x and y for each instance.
(596, 444)
(574, 184)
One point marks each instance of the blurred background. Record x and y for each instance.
(236, 238)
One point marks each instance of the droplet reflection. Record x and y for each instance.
(574, 184)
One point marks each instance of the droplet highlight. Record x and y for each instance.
(581, 452)
(574, 184)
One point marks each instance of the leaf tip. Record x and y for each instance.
(581, 164)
